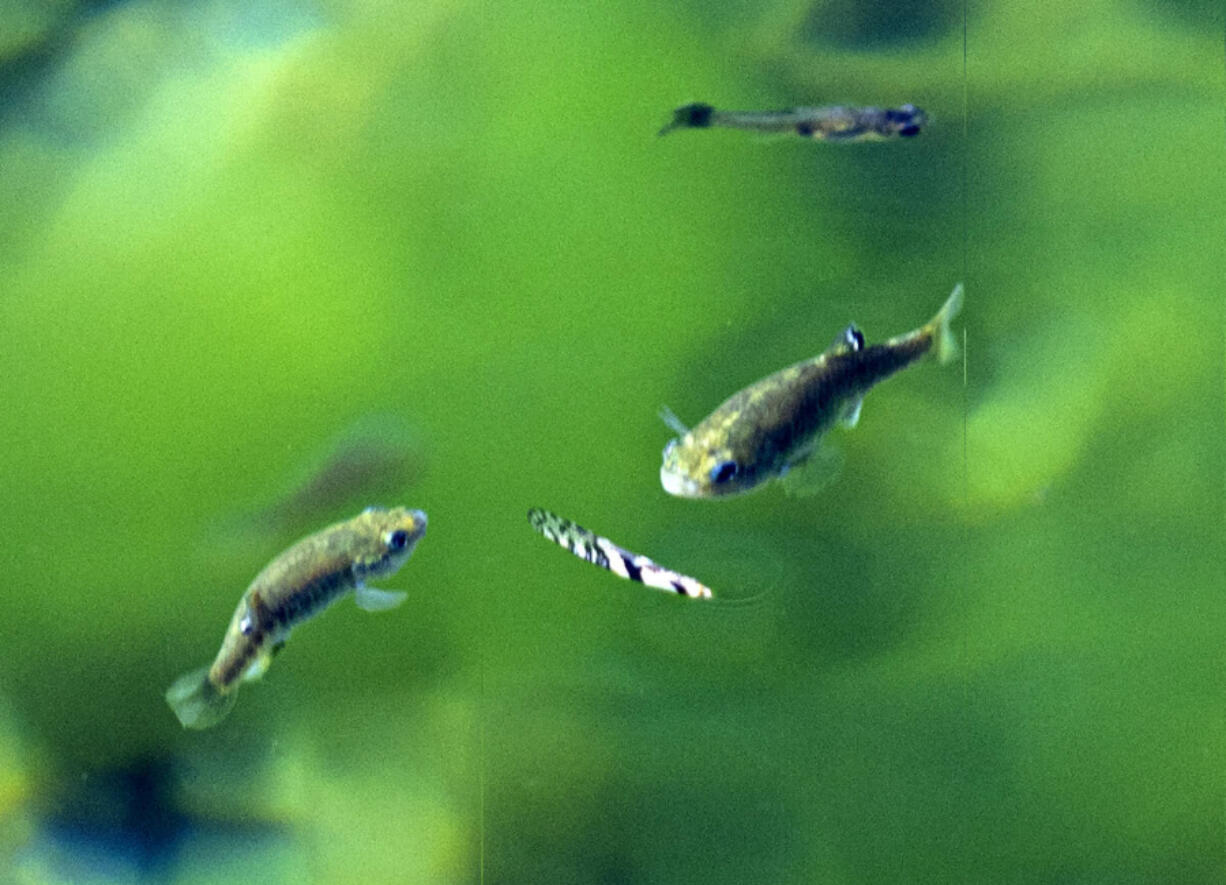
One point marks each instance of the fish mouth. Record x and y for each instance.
(678, 485)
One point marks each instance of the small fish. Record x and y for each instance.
(604, 553)
(835, 123)
(375, 453)
(773, 428)
(297, 585)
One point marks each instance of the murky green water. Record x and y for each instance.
(237, 237)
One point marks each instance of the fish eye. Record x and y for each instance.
(723, 471)
(397, 539)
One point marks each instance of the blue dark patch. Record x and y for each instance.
(697, 116)
(633, 572)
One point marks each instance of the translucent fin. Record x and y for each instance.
(692, 116)
(850, 416)
(258, 666)
(812, 474)
(944, 344)
(197, 702)
(372, 600)
(673, 422)
(849, 340)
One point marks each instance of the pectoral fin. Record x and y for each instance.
(674, 423)
(258, 666)
(812, 473)
(371, 599)
(850, 415)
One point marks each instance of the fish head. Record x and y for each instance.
(907, 120)
(388, 535)
(696, 466)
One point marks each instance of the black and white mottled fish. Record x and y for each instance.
(297, 585)
(604, 553)
(835, 123)
(773, 429)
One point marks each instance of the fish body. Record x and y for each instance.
(604, 553)
(296, 586)
(834, 123)
(776, 425)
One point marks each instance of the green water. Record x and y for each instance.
(991, 651)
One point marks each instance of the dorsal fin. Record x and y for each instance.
(849, 340)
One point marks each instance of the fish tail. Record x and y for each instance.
(692, 116)
(945, 345)
(197, 701)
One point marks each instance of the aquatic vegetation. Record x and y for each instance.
(18, 764)
(228, 234)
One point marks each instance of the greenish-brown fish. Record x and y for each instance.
(834, 123)
(297, 585)
(772, 429)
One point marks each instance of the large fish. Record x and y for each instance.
(297, 585)
(772, 429)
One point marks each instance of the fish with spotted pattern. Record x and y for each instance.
(296, 586)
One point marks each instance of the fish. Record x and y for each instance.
(297, 585)
(375, 453)
(773, 429)
(620, 561)
(834, 123)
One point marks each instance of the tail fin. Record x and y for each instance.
(944, 344)
(197, 702)
(691, 116)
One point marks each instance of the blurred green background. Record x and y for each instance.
(237, 236)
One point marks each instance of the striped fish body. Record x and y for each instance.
(294, 587)
(774, 425)
(604, 553)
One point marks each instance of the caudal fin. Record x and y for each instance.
(197, 702)
(944, 345)
(692, 116)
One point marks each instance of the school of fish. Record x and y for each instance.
(770, 430)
